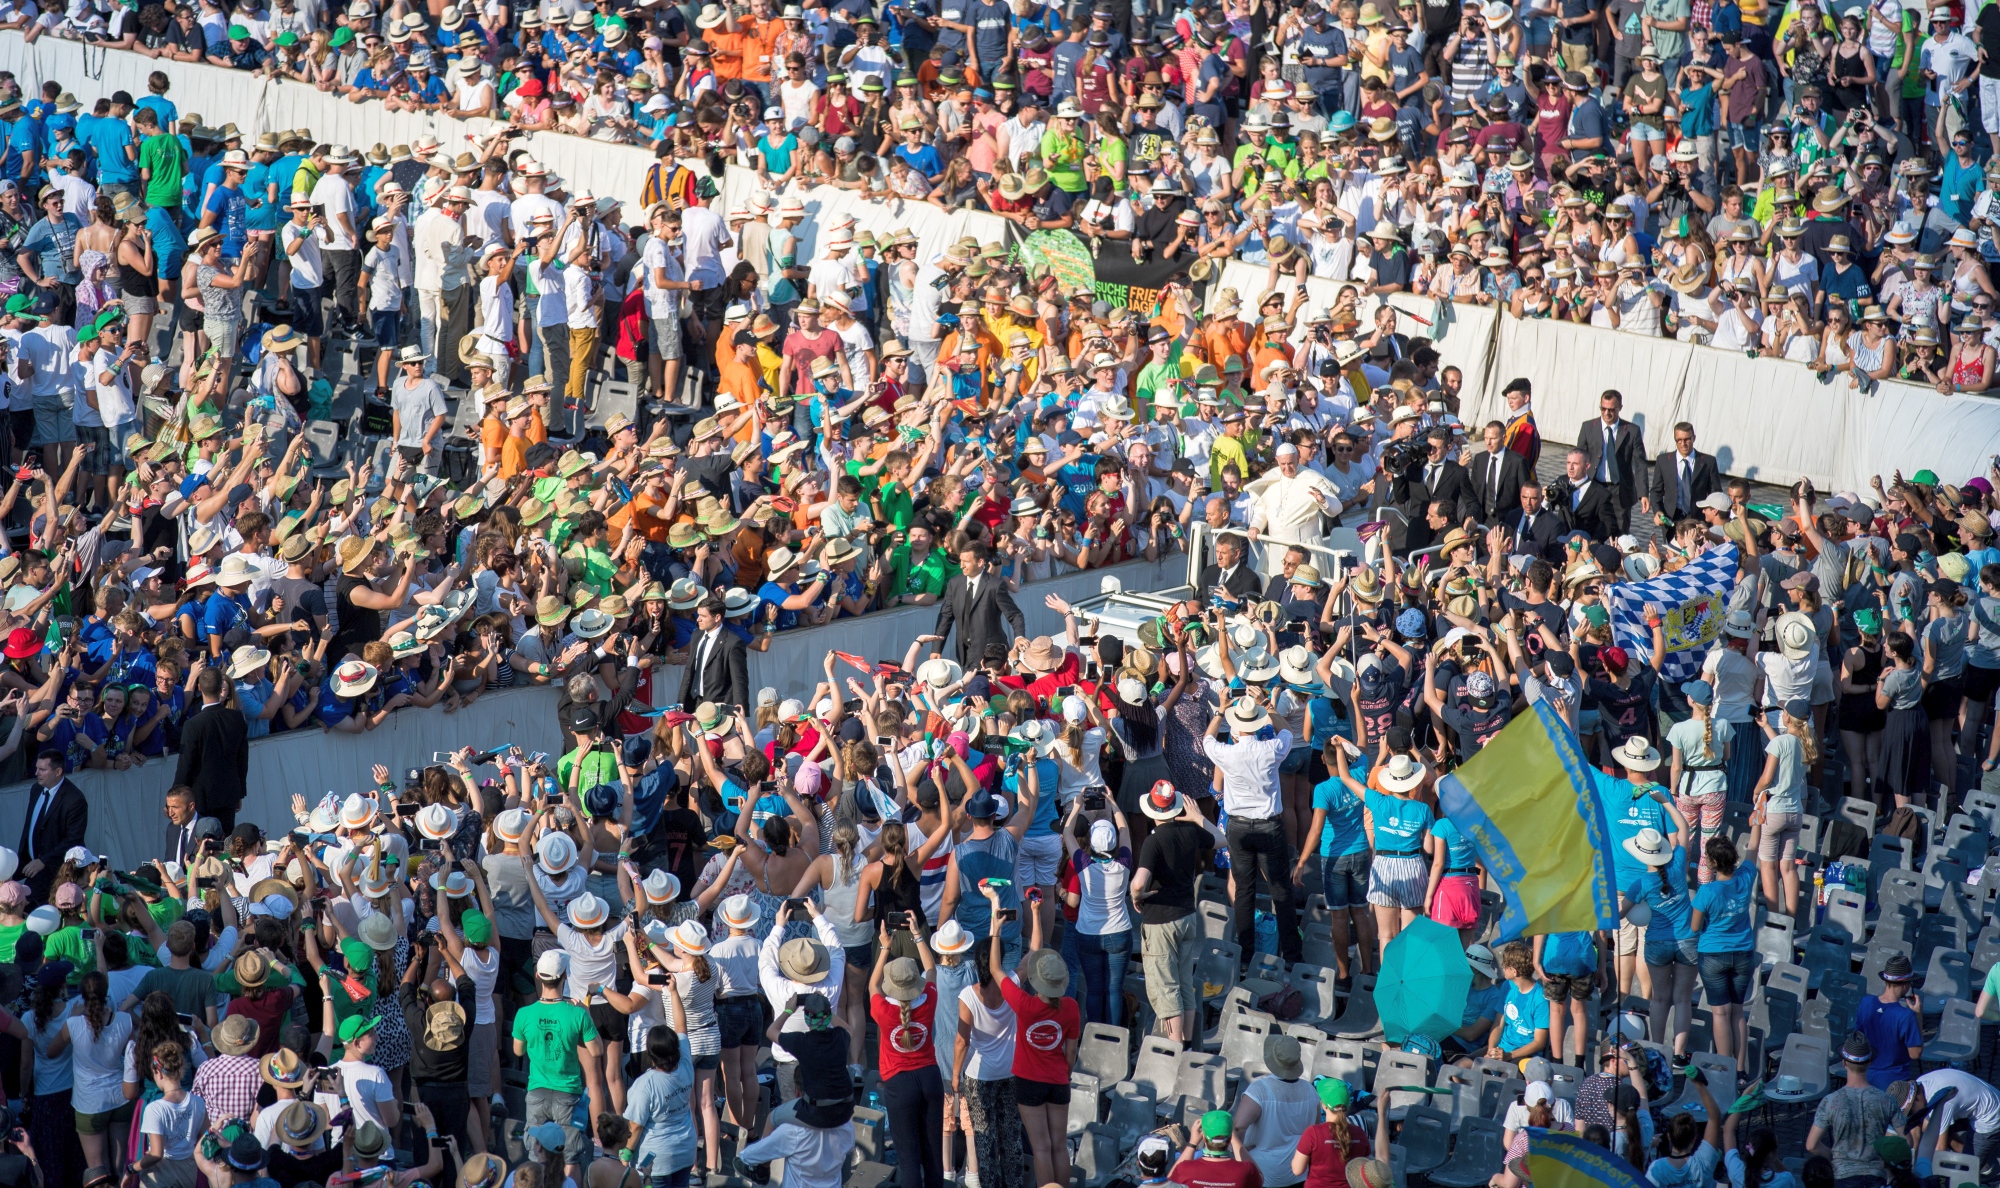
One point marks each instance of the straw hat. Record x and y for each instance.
(1403, 773)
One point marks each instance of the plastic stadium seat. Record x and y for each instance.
(1475, 1158)
(1425, 1139)
(1105, 1052)
(1158, 1065)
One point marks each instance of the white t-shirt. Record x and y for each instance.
(992, 1034)
(590, 965)
(1976, 1100)
(581, 298)
(367, 1088)
(856, 342)
(550, 307)
(496, 310)
(307, 271)
(385, 270)
(485, 974)
(97, 1066)
(336, 197)
(178, 1123)
(492, 210)
(660, 303)
(114, 400)
(527, 206)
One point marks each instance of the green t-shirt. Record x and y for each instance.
(600, 768)
(9, 933)
(166, 158)
(192, 989)
(1062, 156)
(551, 1032)
(166, 911)
(927, 577)
(67, 944)
(1155, 376)
(896, 505)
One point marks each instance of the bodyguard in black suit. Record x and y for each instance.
(215, 752)
(1439, 478)
(1496, 475)
(718, 664)
(1682, 478)
(1617, 454)
(57, 819)
(977, 600)
(1533, 527)
(1231, 570)
(1585, 504)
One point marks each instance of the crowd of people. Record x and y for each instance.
(726, 918)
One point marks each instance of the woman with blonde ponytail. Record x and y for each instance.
(1780, 801)
(1699, 772)
(838, 877)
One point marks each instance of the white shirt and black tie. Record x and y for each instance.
(1607, 466)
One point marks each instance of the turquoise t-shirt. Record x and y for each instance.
(1484, 1004)
(1045, 803)
(1459, 855)
(1344, 833)
(1571, 954)
(1725, 904)
(1399, 823)
(1670, 904)
(1524, 1013)
(1790, 780)
(1628, 808)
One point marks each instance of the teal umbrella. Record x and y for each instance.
(1424, 979)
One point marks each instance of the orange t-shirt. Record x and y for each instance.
(739, 380)
(1224, 339)
(726, 51)
(761, 48)
(492, 435)
(749, 551)
(639, 513)
(538, 431)
(513, 457)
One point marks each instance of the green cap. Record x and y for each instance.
(341, 36)
(87, 334)
(477, 928)
(355, 1026)
(1332, 1092)
(1596, 615)
(288, 38)
(21, 305)
(1869, 621)
(1893, 1148)
(1215, 1124)
(1925, 478)
(239, 33)
(359, 956)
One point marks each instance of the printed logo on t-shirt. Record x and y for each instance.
(909, 1037)
(1045, 1035)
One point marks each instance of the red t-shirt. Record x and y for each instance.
(1328, 1166)
(1217, 1173)
(905, 1048)
(1040, 1031)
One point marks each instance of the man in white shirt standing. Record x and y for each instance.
(444, 296)
(703, 237)
(532, 201)
(106, 413)
(1252, 797)
(339, 239)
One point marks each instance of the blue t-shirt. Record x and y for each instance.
(221, 612)
(1344, 833)
(55, 243)
(1725, 907)
(1523, 1014)
(1459, 855)
(1078, 480)
(1046, 775)
(1893, 1029)
(658, 1101)
(162, 107)
(924, 160)
(78, 739)
(28, 135)
(1399, 824)
(1571, 954)
(1628, 808)
(1670, 904)
(774, 594)
(1484, 1006)
(107, 140)
(232, 218)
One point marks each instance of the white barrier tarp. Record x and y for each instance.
(126, 819)
(125, 806)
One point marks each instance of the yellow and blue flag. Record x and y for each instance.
(1526, 802)
(1560, 1160)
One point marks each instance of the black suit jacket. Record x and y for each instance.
(1597, 513)
(1543, 537)
(1453, 485)
(1241, 584)
(1703, 480)
(63, 824)
(725, 675)
(1513, 475)
(215, 759)
(1628, 453)
(980, 618)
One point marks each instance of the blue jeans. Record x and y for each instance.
(1073, 958)
(1104, 958)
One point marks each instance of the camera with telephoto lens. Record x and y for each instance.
(1406, 457)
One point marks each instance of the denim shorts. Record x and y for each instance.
(1647, 132)
(1344, 880)
(1740, 136)
(1670, 952)
(741, 1020)
(1726, 977)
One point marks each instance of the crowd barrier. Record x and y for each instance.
(1769, 420)
(125, 806)
(126, 819)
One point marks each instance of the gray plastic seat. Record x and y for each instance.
(1861, 812)
(1719, 1070)
(1957, 1039)
(1084, 1106)
(1316, 984)
(1949, 976)
(1344, 1060)
(1805, 1057)
(1131, 1113)
(1158, 1065)
(1848, 909)
(1317, 948)
(1774, 941)
(1960, 1170)
(1200, 1075)
(1474, 1158)
(1212, 921)
(1359, 1020)
(1243, 1042)
(1105, 1052)
(1098, 1154)
(1425, 1138)
(1398, 1069)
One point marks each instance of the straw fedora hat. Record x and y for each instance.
(1403, 773)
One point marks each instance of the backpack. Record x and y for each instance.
(1284, 1005)
(1845, 839)
(1905, 823)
